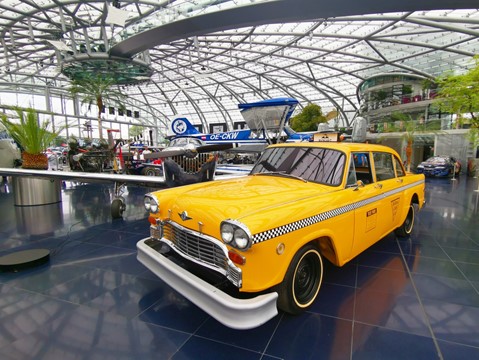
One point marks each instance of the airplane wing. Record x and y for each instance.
(234, 169)
(119, 180)
(86, 176)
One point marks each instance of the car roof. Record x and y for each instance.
(342, 146)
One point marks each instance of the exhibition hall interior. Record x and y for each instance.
(151, 109)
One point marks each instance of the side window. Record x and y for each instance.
(352, 179)
(383, 163)
(399, 169)
(362, 166)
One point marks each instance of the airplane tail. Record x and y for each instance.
(181, 126)
(289, 131)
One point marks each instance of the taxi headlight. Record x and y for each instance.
(151, 203)
(236, 234)
(227, 232)
(241, 239)
(147, 203)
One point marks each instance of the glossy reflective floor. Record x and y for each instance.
(401, 299)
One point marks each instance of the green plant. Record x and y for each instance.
(427, 84)
(308, 119)
(97, 90)
(408, 130)
(459, 94)
(32, 135)
(135, 130)
(407, 89)
(381, 95)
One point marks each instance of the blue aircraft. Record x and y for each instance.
(267, 122)
(181, 127)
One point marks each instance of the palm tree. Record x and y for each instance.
(98, 90)
(408, 136)
(409, 130)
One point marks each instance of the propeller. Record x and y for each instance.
(214, 147)
(165, 153)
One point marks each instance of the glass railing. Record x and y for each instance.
(431, 125)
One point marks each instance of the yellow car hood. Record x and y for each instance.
(261, 196)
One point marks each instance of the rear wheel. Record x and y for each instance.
(406, 228)
(303, 279)
(149, 171)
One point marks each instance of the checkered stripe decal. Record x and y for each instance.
(300, 224)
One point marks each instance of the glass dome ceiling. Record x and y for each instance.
(201, 60)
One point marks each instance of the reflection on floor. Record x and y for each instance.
(401, 299)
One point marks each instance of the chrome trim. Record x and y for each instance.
(199, 254)
(152, 199)
(242, 227)
(191, 165)
(235, 313)
(184, 215)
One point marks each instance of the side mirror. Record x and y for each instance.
(359, 184)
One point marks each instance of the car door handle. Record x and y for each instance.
(400, 181)
(378, 186)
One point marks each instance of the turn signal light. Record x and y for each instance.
(152, 220)
(236, 258)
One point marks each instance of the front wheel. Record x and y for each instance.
(303, 279)
(406, 228)
(117, 208)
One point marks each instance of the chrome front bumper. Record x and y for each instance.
(235, 313)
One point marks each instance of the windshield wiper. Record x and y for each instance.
(282, 173)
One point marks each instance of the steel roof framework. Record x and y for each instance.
(206, 75)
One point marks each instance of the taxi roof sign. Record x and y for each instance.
(326, 137)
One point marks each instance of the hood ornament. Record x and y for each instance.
(184, 216)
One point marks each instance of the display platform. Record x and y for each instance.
(23, 260)
(404, 299)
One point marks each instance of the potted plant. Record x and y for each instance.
(32, 136)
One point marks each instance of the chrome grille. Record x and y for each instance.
(199, 248)
(196, 246)
(191, 165)
(155, 232)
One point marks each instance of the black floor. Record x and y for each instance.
(401, 299)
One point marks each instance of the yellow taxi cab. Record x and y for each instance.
(243, 248)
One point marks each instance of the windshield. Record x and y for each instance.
(438, 160)
(324, 166)
(182, 141)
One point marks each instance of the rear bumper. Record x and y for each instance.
(235, 313)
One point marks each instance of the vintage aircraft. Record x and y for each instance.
(246, 139)
(267, 123)
(185, 161)
(188, 160)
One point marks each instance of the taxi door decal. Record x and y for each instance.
(394, 207)
(371, 219)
